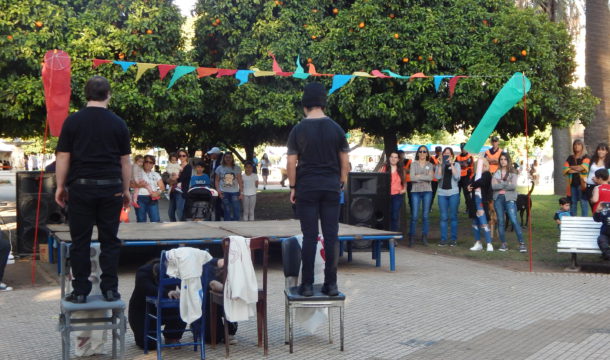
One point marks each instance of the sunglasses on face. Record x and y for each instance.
(182, 155)
(422, 152)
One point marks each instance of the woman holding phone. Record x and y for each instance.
(504, 185)
(448, 173)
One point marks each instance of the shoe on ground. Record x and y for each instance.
(112, 296)
(232, 340)
(453, 243)
(424, 240)
(477, 246)
(503, 247)
(522, 248)
(4, 287)
(11, 259)
(442, 244)
(490, 247)
(330, 289)
(306, 290)
(76, 298)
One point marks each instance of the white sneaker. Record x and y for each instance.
(490, 247)
(477, 246)
(11, 259)
(4, 287)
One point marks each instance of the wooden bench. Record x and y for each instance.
(578, 236)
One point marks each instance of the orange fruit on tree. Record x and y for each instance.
(121, 56)
(420, 58)
(485, 22)
(513, 59)
(38, 23)
(9, 37)
(392, 16)
(277, 2)
(396, 36)
(405, 59)
(314, 10)
(214, 24)
(335, 11)
(430, 58)
(134, 52)
(523, 52)
(217, 21)
(149, 31)
(361, 25)
(495, 41)
(313, 37)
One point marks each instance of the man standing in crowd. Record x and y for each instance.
(215, 160)
(466, 162)
(319, 146)
(93, 167)
(493, 155)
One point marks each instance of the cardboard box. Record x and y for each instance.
(43, 250)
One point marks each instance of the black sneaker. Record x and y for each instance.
(330, 289)
(522, 248)
(112, 295)
(76, 298)
(306, 290)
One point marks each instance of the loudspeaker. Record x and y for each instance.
(27, 202)
(367, 200)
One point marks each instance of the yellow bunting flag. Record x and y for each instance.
(362, 74)
(259, 73)
(142, 67)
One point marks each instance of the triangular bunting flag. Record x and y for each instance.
(452, 82)
(225, 72)
(395, 75)
(339, 81)
(164, 69)
(242, 76)
(362, 74)
(299, 73)
(124, 64)
(180, 72)
(379, 74)
(276, 66)
(313, 72)
(98, 62)
(438, 79)
(260, 73)
(418, 75)
(142, 67)
(204, 71)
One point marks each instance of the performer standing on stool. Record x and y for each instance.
(319, 146)
(93, 167)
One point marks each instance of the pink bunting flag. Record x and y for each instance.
(164, 69)
(203, 71)
(379, 74)
(225, 72)
(452, 82)
(418, 75)
(276, 66)
(98, 62)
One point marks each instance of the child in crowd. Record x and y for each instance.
(564, 210)
(137, 176)
(600, 193)
(250, 180)
(173, 169)
(200, 178)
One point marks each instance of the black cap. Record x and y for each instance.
(495, 138)
(462, 145)
(438, 148)
(314, 95)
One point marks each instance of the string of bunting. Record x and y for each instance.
(339, 80)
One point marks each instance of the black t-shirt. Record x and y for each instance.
(96, 139)
(317, 142)
(575, 178)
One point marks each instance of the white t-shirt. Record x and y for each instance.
(249, 183)
(152, 178)
(592, 169)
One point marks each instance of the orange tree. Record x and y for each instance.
(487, 39)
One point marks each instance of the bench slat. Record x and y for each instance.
(578, 235)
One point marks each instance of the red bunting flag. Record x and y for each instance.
(276, 66)
(57, 89)
(98, 62)
(225, 72)
(452, 82)
(164, 69)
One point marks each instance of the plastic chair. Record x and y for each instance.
(291, 261)
(161, 302)
(217, 298)
(115, 321)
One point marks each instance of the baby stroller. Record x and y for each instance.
(200, 203)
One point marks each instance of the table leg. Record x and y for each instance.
(392, 245)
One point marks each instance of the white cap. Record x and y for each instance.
(214, 150)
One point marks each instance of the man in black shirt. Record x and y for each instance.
(93, 167)
(319, 146)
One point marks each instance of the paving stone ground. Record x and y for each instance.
(432, 307)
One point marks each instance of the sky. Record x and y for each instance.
(185, 6)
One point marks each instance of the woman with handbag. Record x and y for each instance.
(576, 168)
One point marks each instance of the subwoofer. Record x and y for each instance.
(367, 202)
(27, 203)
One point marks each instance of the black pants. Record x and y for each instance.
(463, 187)
(99, 205)
(409, 187)
(602, 242)
(322, 205)
(434, 185)
(5, 250)
(172, 324)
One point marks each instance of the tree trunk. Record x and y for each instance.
(389, 142)
(562, 147)
(598, 68)
(249, 151)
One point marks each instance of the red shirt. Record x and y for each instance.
(604, 195)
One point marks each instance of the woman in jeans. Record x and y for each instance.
(504, 185)
(421, 172)
(576, 169)
(179, 186)
(478, 209)
(229, 182)
(448, 173)
(148, 203)
(397, 187)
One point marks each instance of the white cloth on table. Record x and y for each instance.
(311, 318)
(185, 263)
(241, 287)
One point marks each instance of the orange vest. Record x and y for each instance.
(434, 160)
(494, 156)
(408, 170)
(466, 163)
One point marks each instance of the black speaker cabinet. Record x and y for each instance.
(367, 200)
(27, 202)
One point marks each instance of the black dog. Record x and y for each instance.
(523, 208)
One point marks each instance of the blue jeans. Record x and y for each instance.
(176, 206)
(578, 197)
(480, 222)
(231, 206)
(420, 200)
(149, 207)
(449, 209)
(397, 201)
(502, 206)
